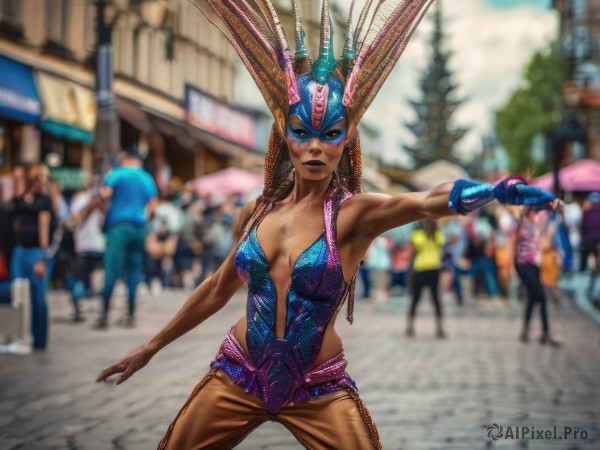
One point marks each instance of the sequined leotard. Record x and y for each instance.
(280, 370)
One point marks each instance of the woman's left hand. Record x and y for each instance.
(531, 196)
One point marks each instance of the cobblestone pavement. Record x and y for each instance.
(423, 393)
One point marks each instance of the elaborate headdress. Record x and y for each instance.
(371, 49)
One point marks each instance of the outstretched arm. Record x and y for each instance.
(374, 214)
(203, 302)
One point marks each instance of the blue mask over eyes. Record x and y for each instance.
(319, 109)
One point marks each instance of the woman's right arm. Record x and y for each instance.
(203, 302)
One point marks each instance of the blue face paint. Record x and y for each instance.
(319, 109)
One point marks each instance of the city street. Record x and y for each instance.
(423, 393)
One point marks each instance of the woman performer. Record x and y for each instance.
(534, 227)
(304, 237)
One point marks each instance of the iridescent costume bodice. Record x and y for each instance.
(281, 370)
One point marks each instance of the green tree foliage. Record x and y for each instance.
(535, 107)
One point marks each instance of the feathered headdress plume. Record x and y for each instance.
(369, 53)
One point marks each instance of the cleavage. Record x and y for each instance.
(280, 268)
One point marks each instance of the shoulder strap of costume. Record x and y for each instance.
(330, 219)
(334, 257)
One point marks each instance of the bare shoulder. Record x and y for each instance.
(248, 208)
(244, 217)
(352, 211)
(368, 215)
(365, 200)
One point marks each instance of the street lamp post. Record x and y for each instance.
(557, 142)
(106, 141)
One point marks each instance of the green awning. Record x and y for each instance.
(67, 132)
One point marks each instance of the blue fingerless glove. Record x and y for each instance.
(507, 190)
(468, 196)
(523, 194)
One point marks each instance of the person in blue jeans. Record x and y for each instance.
(480, 252)
(32, 217)
(130, 190)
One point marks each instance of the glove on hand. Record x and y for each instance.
(468, 196)
(514, 190)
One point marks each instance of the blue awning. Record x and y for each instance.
(19, 99)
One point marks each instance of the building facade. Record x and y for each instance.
(579, 41)
(173, 86)
(173, 78)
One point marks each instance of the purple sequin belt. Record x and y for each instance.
(327, 377)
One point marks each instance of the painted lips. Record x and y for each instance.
(314, 162)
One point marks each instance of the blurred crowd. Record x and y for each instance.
(491, 259)
(122, 228)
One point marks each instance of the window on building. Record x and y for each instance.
(10, 9)
(56, 22)
(581, 43)
(10, 17)
(127, 46)
(142, 54)
(154, 61)
(57, 27)
(579, 8)
(89, 31)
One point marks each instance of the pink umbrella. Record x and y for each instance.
(583, 175)
(227, 182)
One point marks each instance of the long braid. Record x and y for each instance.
(278, 180)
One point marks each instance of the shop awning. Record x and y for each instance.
(581, 176)
(226, 182)
(133, 115)
(173, 128)
(69, 110)
(190, 137)
(187, 136)
(19, 99)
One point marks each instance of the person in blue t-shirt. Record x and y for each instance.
(132, 193)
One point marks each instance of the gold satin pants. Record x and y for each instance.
(219, 415)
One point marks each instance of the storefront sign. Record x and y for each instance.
(69, 109)
(69, 178)
(220, 119)
(19, 100)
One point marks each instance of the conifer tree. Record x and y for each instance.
(435, 138)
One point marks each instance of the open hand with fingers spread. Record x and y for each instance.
(127, 366)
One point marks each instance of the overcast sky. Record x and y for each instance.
(491, 42)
